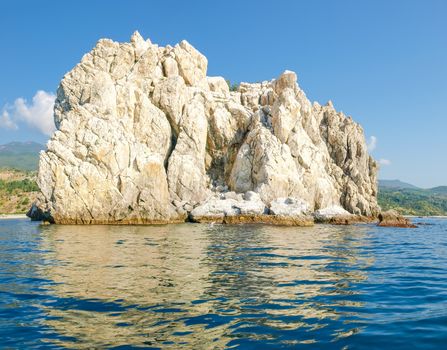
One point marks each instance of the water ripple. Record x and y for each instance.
(220, 287)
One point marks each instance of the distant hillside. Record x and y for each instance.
(395, 184)
(18, 190)
(20, 155)
(439, 190)
(411, 200)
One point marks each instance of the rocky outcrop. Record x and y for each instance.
(35, 213)
(392, 218)
(144, 136)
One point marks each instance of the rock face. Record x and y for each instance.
(144, 136)
(392, 218)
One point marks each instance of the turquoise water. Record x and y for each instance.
(216, 287)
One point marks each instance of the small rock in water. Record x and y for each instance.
(392, 218)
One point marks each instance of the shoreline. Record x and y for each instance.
(23, 216)
(12, 216)
(423, 216)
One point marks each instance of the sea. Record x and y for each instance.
(198, 286)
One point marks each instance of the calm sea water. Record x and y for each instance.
(218, 287)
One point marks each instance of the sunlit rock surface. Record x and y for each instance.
(144, 136)
(392, 218)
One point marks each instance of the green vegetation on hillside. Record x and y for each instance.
(18, 189)
(25, 185)
(418, 202)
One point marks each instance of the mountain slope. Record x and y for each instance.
(442, 190)
(20, 155)
(395, 184)
(18, 189)
(411, 200)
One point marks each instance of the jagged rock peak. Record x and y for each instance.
(144, 136)
(136, 37)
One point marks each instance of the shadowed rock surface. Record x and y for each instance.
(144, 136)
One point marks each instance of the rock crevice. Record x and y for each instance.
(144, 136)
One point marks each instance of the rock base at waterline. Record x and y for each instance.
(392, 218)
(265, 219)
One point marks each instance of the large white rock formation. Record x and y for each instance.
(144, 136)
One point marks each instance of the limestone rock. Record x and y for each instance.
(289, 207)
(392, 218)
(336, 215)
(218, 84)
(217, 209)
(144, 136)
(330, 212)
(35, 213)
(191, 63)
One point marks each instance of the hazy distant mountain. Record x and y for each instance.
(20, 155)
(395, 184)
(439, 190)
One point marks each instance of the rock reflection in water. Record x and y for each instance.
(201, 286)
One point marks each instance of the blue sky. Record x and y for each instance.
(382, 62)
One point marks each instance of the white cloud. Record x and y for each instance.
(383, 161)
(372, 143)
(6, 121)
(38, 114)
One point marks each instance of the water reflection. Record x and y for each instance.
(207, 287)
